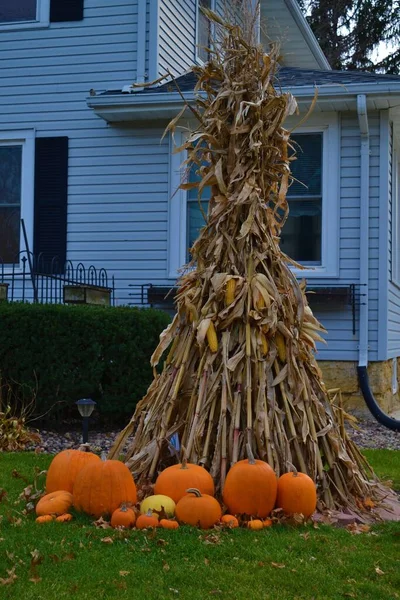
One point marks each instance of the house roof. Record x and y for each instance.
(337, 90)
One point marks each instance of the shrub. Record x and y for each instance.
(64, 353)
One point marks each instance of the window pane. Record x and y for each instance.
(203, 30)
(17, 10)
(10, 174)
(195, 221)
(307, 168)
(10, 201)
(301, 234)
(9, 234)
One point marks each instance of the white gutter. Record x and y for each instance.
(364, 229)
(307, 32)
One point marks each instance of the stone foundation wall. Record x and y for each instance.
(343, 375)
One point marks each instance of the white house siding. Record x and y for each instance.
(177, 35)
(278, 25)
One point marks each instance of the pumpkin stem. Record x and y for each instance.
(84, 447)
(123, 507)
(103, 455)
(184, 458)
(291, 465)
(194, 491)
(250, 455)
(149, 513)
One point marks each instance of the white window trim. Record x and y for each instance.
(197, 58)
(329, 267)
(177, 207)
(27, 139)
(42, 19)
(395, 241)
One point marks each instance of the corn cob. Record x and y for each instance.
(212, 337)
(193, 316)
(260, 302)
(264, 345)
(230, 292)
(280, 346)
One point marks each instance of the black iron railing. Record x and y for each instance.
(37, 279)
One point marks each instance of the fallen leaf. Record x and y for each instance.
(356, 528)
(35, 579)
(107, 540)
(173, 590)
(305, 536)
(3, 495)
(378, 571)
(166, 566)
(368, 503)
(67, 557)
(18, 475)
(278, 565)
(261, 564)
(10, 579)
(102, 524)
(206, 562)
(161, 542)
(124, 573)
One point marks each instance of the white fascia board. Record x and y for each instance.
(307, 32)
(131, 107)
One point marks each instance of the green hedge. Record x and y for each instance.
(72, 352)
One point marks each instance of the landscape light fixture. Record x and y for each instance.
(85, 407)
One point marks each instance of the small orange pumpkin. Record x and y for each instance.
(199, 510)
(255, 524)
(250, 487)
(56, 503)
(175, 480)
(45, 519)
(123, 517)
(167, 524)
(267, 523)
(229, 521)
(147, 520)
(64, 518)
(297, 493)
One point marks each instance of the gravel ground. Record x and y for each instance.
(369, 435)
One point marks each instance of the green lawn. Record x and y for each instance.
(279, 563)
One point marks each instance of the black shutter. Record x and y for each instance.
(66, 10)
(51, 195)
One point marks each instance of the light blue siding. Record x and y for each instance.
(393, 326)
(177, 36)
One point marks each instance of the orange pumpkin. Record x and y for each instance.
(45, 519)
(250, 487)
(147, 520)
(64, 518)
(296, 494)
(229, 521)
(123, 517)
(199, 510)
(175, 480)
(64, 468)
(255, 524)
(56, 503)
(102, 486)
(267, 523)
(167, 524)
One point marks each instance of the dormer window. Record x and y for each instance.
(203, 33)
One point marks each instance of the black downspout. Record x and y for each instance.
(372, 404)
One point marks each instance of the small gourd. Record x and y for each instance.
(229, 521)
(147, 520)
(123, 517)
(157, 503)
(255, 524)
(297, 493)
(45, 519)
(56, 503)
(64, 518)
(167, 524)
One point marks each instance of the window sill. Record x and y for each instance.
(24, 25)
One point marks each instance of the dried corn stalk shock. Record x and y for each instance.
(241, 367)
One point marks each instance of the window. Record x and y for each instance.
(17, 14)
(203, 33)
(16, 192)
(301, 234)
(311, 234)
